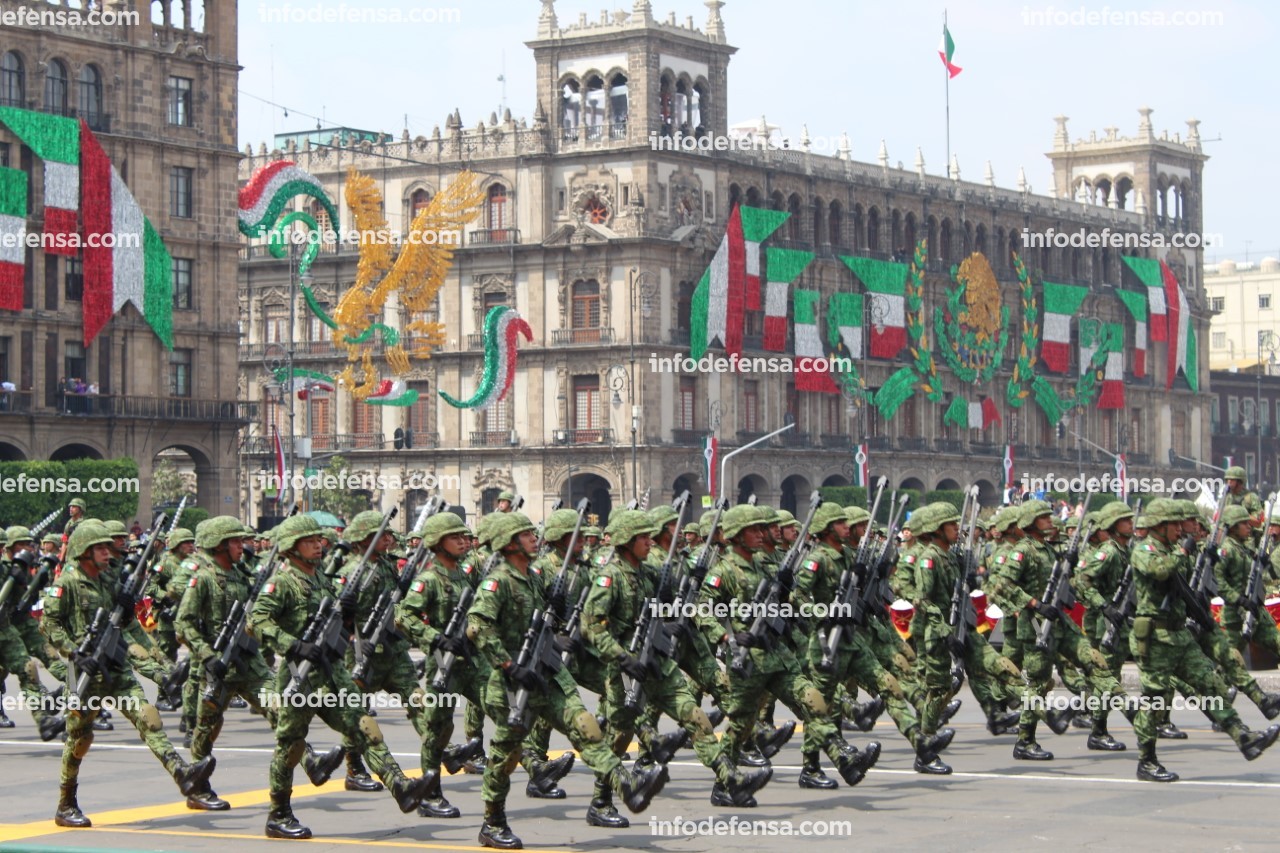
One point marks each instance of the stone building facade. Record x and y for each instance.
(159, 93)
(598, 239)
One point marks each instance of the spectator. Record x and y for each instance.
(136, 530)
(6, 395)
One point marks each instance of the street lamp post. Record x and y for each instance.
(1266, 341)
(646, 291)
(619, 381)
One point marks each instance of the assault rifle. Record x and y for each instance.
(1057, 592)
(573, 568)
(1203, 585)
(1251, 599)
(651, 637)
(848, 597)
(457, 627)
(327, 628)
(233, 645)
(769, 624)
(691, 582)
(537, 657)
(381, 624)
(542, 528)
(104, 644)
(962, 616)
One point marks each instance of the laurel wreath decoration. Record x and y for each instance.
(925, 365)
(1024, 368)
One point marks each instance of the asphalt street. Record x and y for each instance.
(1081, 799)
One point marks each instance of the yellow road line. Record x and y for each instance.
(413, 845)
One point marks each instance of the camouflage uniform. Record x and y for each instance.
(14, 656)
(1234, 563)
(166, 594)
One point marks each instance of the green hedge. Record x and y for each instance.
(56, 483)
(857, 496)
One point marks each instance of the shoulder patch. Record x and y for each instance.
(1000, 559)
(342, 580)
(1017, 555)
(1101, 555)
(1146, 546)
(910, 558)
(56, 592)
(192, 583)
(604, 580)
(419, 586)
(535, 570)
(812, 565)
(269, 588)
(489, 585)
(927, 563)
(466, 570)
(1222, 552)
(714, 581)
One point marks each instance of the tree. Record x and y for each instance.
(168, 485)
(343, 501)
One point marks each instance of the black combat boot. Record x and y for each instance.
(853, 763)
(476, 766)
(1149, 767)
(434, 803)
(456, 756)
(237, 703)
(69, 813)
(409, 793)
(941, 740)
(715, 715)
(5, 722)
(638, 788)
(280, 821)
(1081, 720)
(663, 748)
(1168, 731)
(770, 742)
(102, 723)
(1101, 740)
(190, 777)
(495, 832)
(742, 786)
(358, 779)
(1269, 705)
(811, 776)
(1059, 721)
(163, 704)
(948, 712)
(1252, 744)
(720, 796)
(927, 760)
(543, 776)
(320, 767)
(602, 811)
(751, 756)
(1002, 722)
(1026, 749)
(51, 726)
(865, 714)
(206, 800)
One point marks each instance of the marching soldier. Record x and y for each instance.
(214, 587)
(505, 501)
(1016, 585)
(165, 590)
(280, 615)
(1238, 493)
(15, 658)
(422, 616)
(1234, 564)
(613, 613)
(775, 670)
(1164, 647)
(506, 605)
(70, 606)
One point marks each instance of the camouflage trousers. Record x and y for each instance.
(993, 678)
(777, 672)
(166, 638)
(129, 699)
(1174, 655)
(252, 684)
(1067, 645)
(1265, 633)
(15, 659)
(702, 674)
(145, 656)
(588, 672)
(38, 647)
(344, 715)
(468, 679)
(856, 661)
(392, 671)
(1218, 646)
(561, 706)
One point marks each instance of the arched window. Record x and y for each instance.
(794, 224)
(698, 110)
(776, 201)
(570, 110)
(55, 87)
(819, 233)
(419, 200)
(666, 106)
(735, 196)
(681, 108)
(835, 224)
(90, 97)
(594, 108)
(497, 215)
(873, 230)
(909, 243)
(979, 239)
(944, 246)
(753, 197)
(684, 306)
(618, 106)
(13, 81)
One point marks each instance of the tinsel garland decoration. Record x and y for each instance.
(957, 413)
(845, 333)
(1024, 366)
(1086, 388)
(895, 391)
(501, 327)
(13, 226)
(1049, 400)
(918, 345)
(272, 186)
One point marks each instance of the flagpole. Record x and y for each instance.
(947, 73)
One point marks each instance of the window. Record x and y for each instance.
(684, 306)
(1219, 340)
(1264, 342)
(275, 415)
(571, 110)
(594, 113)
(1264, 300)
(180, 373)
(179, 106)
(420, 411)
(13, 81)
(1264, 417)
(182, 282)
(1248, 411)
(1217, 303)
(1233, 414)
(588, 419)
(750, 406)
(320, 414)
(585, 316)
(1251, 467)
(5, 374)
(495, 421)
(180, 185)
(366, 424)
(73, 362)
(73, 280)
(831, 421)
(418, 202)
(55, 87)
(497, 209)
(90, 97)
(685, 412)
(317, 331)
(276, 324)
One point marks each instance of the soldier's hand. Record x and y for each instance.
(745, 639)
(956, 645)
(1048, 611)
(526, 677)
(125, 600)
(302, 650)
(86, 664)
(1112, 614)
(455, 645)
(786, 579)
(566, 645)
(633, 667)
(1188, 544)
(215, 667)
(1072, 556)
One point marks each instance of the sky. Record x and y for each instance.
(870, 69)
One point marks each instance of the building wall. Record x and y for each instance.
(128, 361)
(1244, 329)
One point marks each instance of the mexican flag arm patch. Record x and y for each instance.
(604, 580)
(490, 585)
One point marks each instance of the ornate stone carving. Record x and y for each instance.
(490, 283)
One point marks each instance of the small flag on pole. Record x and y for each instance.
(1008, 466)
(710, 451)
(1122, 477)
(947, 49)
(860, 467)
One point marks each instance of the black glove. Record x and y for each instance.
(20, 573)
(125, 600)
(1188, 544)
(633, 667)
(1048, 611)
(215, 667)
(745, 639)
(1212, 555)
(457, 645)
(526, 677)
(667, 593)
(1072, 557)
(566, 645)
(302, 650)
(786, 579)
(1112, 614)
(86, 664)
(956, 645)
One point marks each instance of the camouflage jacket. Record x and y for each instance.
(287, 602)
(1154, 562)
(380, 577)
(208, 598)
(619, 593)
(70, 606)
(934, 572)
(505, 605)
(1235, 559)
(425, 611)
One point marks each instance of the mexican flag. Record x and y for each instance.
(844, 323)
(809, 345)
(13, 231)
(56, 141)
(1182, 334)
(1061, 301)
(783, 266)
(1151, 274)
(968, 415)
(710, 453)
(1137, 304)
(1111, 393)
(1122, 477)
(130, 262)
(888, 280)
(1008, 466)
(861, 470)
(731, 285)
(947, 49)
